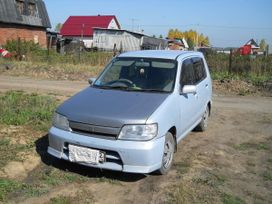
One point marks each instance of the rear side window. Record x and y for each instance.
(187, 73)
(199, 69)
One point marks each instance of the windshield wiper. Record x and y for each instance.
(111, 87)
(130, 89)
(153, 90)
(102, 87)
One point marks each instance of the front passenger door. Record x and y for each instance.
(188, 102)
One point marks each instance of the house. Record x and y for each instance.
(178, 44)
(82, 27)
(24, 19)
(251, 47)
(125, 40)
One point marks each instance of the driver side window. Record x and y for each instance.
(187, 76)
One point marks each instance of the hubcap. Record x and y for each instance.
(168, 154)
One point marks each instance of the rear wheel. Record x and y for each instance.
(203, 125)
(168, 154)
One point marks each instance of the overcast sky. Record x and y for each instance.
(225, 22)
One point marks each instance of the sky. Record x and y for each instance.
(227, 23)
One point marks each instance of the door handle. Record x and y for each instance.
(206, 85)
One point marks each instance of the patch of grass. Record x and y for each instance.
(34, 190)
(7, 186)
(230, 199)
(267, 175)
(254, 79)
(9, 151)
(110, 181)
(54, 177)
(40, 185)
(182, 167)
(80, 197)
(244, 92)
(61, 200)
(181, 194)
(19, 108)
(262, 146)
(247, 145)
(210, 179)
(251, 163)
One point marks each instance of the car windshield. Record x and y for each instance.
(139, 74)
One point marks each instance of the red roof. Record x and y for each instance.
(78, 25)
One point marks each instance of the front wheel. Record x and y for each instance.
(168, 154)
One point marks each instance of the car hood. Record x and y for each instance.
(111, 108)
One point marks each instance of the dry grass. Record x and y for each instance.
(44, 70)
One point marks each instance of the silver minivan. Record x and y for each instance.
(133, 115)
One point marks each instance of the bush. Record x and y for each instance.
(21, 46)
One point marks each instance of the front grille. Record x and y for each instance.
(94, 130)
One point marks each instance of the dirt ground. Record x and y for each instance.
(229, 163)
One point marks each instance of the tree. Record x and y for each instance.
(190, 43)
(58, 27)
(263, 45)
(161, 36)
(192, 37)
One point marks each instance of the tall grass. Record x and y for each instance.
(87, 58)
(80, 66)
(254, 69)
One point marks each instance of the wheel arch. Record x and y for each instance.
(210, 107)
(173, 131)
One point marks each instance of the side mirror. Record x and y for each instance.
(187, 89)
(91, 80)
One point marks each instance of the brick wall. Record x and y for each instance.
(9, 32)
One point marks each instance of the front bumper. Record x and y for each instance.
(126, 156)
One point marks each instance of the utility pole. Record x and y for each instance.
(230, 60)
(197, 25)
(81, 41)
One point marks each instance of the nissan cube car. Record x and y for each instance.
(133, 115)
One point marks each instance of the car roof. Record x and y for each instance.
(161, 54)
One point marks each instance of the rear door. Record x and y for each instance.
(202, 85)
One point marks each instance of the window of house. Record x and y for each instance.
(32, 9)
(20, 4)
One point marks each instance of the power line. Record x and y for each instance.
(204, 25)
(236, 27)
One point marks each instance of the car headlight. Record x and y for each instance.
(138, 132)
(61, 122)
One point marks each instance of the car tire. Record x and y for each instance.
(203, 125)
(168, 154)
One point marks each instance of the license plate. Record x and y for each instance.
(85, 155)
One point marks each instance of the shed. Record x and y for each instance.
(110, 39)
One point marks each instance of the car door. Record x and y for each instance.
(202, 83)
(188, 102)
